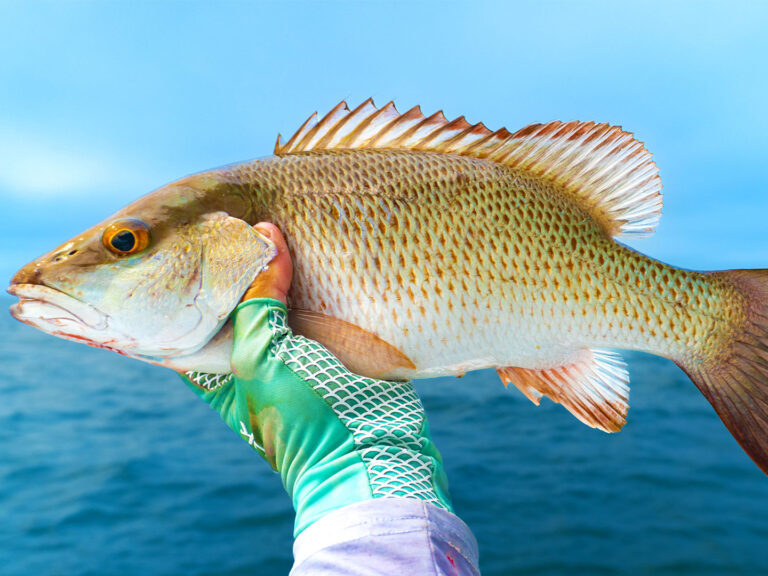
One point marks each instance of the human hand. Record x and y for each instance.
(335, 437)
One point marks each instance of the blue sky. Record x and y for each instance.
(101, 102)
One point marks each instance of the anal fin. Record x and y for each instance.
(362, 352)
(594, 387)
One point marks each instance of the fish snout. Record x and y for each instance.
(33, 272)
(29, 274)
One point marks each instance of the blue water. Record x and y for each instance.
(111, 466)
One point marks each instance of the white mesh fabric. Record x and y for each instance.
(385, 418)
(209, 381)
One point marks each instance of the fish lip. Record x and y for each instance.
(53, 301)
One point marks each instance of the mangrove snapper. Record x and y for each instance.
(423, 247)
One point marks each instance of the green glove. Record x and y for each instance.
(335, 437)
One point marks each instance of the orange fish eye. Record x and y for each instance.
(126, 236)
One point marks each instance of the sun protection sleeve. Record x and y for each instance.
(336, 438)
(400, 536)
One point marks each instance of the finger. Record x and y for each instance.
(281, 265)
(275, 281)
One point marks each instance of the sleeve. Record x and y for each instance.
(341, 441)
(391, 536)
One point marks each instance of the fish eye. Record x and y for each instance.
(126, 236)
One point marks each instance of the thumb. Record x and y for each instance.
(275, 281)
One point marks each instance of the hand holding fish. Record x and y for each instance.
(338, 440)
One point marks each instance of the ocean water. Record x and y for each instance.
(111, 466)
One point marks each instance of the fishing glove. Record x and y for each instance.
(336, 438)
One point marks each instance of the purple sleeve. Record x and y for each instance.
(386, 536)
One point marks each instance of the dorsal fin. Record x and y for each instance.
(606, 168)
(593, 387)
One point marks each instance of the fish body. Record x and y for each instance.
(423, 247)
(468, 264)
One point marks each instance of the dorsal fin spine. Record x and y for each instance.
(410, 131)
(478, 147)
(385, 130)
(363, 126)
(379, 124)
(456, 141)
(329, 119)
(300, 132)
(427, 127)
(425, 142)
(349, 121)
(331, 133)
(405, 123)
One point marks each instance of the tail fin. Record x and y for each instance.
(736, 383)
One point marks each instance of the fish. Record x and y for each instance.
(423, 247)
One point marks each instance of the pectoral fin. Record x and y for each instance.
(362, 352)
(593, 387)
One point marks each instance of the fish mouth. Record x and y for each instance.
(57, 313)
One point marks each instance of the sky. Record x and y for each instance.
(101, 102)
